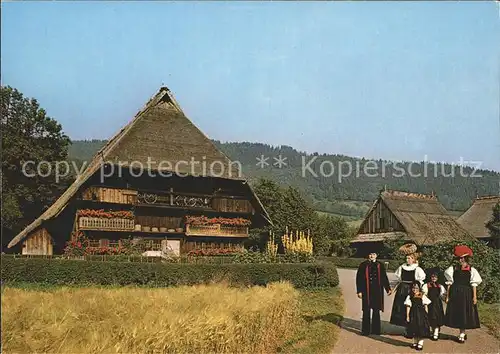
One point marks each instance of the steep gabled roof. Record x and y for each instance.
(475, 218)
(160, 137)
(423, 217)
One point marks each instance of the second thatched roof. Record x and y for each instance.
(475, 218)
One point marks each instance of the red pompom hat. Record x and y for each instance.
(462, 251)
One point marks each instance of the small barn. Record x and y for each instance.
(159, 180)
(475, 218)
(411, 217)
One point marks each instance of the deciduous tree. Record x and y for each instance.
(28, 135)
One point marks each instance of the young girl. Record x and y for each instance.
(436, 294)
(406, 274)
(416, 316)
(461, 299)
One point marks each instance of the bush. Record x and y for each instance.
(264, 257)
(354, 263)
(486, 260)
(72, 272)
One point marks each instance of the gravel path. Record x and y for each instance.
(392, 340)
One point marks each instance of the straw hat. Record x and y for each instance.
(408, 249)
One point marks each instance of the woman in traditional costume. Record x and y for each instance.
(406, 274)
(436, 294)
(461, 299)
(416, 316)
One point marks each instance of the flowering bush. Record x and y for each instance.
(77, 245)
(203, 220)
(91, 213)
(271, 246)
(107, 251)
(297, 243)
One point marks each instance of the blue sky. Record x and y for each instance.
(379, 80)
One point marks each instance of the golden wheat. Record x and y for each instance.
(205, 319)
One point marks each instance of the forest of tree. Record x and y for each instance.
(351, 195)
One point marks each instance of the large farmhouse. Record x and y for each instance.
(159, 179)
(408, 216)
(474, 220)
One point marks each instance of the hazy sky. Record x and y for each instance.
(382, 80)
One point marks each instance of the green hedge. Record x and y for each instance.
(355, 262)
(74, 272)
(134, 258)
(247, 257)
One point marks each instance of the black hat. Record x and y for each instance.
(417, 283)
(433, 271)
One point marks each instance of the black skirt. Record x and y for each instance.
(398, 313)
(460, 311)
(436, 312)
(419, 322)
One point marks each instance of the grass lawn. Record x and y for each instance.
(489, 314)
(321, 311)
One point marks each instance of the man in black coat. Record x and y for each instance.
(371, 280)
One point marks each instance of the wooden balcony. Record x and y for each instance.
(114, 224)
(216, 230)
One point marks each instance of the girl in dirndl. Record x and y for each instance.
(416, 316)
(437, 294)
(461, 299)
(406, 274)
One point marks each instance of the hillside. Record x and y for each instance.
(343, 194)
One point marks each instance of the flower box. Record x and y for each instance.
(216, 230)
(115, 224)
(203, 220)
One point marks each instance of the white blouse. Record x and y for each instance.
(425, 300)
(419, 272)
(475, 278)
(425, 289)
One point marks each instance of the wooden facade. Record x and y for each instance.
(40, 243)
(159, 215)
(380, 219)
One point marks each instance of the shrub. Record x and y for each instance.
(215, 251)
(354, 263)
(68, 272)
(486, 260)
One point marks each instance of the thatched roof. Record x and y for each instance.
(475, 218)
(162, 133)
(424, 219)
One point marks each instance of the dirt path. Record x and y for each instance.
(392, 340)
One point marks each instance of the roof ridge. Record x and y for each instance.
(487, 197)
(413, 195)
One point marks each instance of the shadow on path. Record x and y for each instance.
(354, 326)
